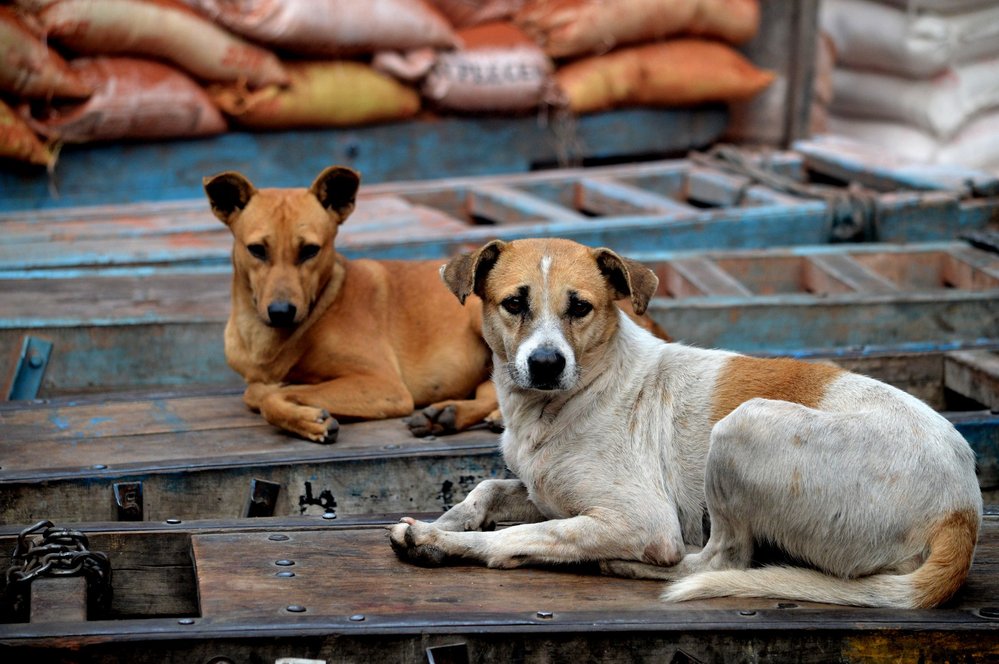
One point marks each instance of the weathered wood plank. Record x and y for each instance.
(605, 197)
(58, 599)
(700, 276)
(844, 270)
(506, 205)
(974, 374)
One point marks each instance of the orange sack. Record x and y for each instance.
(680, 72)
(18, 141)
(333, 27)
(321, 94)
(161, 29)
(28, 67)
(567, 28)
(133, 99)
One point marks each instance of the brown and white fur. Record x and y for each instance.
(621, 442)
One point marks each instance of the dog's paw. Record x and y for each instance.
(322, 428)
(415, 542)
(432, 420)
(494, 421)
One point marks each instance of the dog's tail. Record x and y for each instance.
(951, 548)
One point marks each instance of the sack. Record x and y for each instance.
(466, 13)
(333, 27)
(869, 35)
(976, 145)
(498, 69)
(940, 105)
(163, 29)
(29, 68)
(320, 94)
(133, 98)
(18, 141)
(681, 72)
(566, 28)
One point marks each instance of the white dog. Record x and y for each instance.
(621, 442)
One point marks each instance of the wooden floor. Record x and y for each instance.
(349, 596)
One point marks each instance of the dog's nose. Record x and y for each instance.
(545, 366)
(282, 314)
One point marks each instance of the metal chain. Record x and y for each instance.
(45, 550)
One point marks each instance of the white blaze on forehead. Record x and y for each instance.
(547, 332)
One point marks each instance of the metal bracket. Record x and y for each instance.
(30, 369)
(456, 653)
(128, 500)
(263, 498)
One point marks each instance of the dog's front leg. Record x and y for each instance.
(455, 415)
(597, 535)
(311, 411)
(491, 501)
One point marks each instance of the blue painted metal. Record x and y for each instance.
(432, 148)
(29, 372)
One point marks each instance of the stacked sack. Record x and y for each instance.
(78, 71)
(919, 78)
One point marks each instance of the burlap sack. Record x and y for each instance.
(29, 68)
(498, 69)
(333, 27)
(133, 99)
(161, 29)
(567, 28)
(680, 72)
(18, 141)
(466, 13)
(320, 94)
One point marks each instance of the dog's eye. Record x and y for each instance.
(579, 308)
(308, 251)
(514, 304)
(258, 251)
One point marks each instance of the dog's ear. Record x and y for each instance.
(336, 189)
(465, 274)
(228, 193)
(627, 277)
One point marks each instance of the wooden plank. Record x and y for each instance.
(605, 196)
(506, 205)
(705, 277)
(58, 599)
(435, 148)
(975, 375)
(844, 270)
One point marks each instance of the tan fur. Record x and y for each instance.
(743, 378)
(952, 547)
(370, 339)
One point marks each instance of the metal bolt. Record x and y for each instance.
(392, 446)
(278, 538)
(991, 612)
(747, 613)
(295, 608)
(430, 438)
(98, 466)
(284, 562)
(357, 617)
(285, 575)
(35, 361)
(329, 516)
(186, 621)
(546, 615)
(173, 522)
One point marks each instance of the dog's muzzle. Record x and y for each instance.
(281, 314)
(545, 366)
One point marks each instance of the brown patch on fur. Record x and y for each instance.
(744, 378)
(952, 547)
(796, 483)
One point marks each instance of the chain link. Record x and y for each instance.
(45, 550)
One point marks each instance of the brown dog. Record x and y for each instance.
(318, 337)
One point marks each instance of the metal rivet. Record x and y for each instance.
(747, 613)
(285, 575)
(357, 617)
(278, 538)
(989, 612)
(98, 466)
(392, 446)
(295, 608)
(329, 516)
(35, 360)
(787, 605)
(545, 614)
(430, 438)
(173, 522)
(284, 562)
(186, 621)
